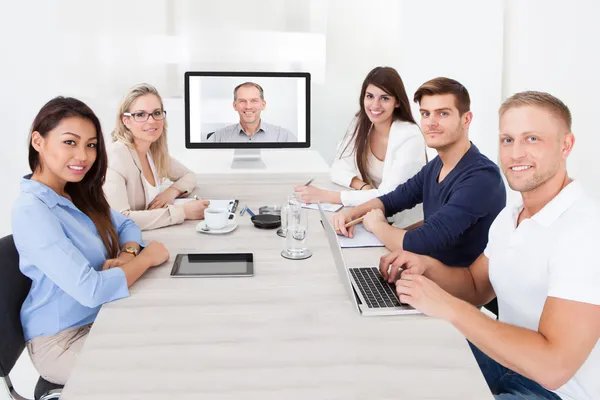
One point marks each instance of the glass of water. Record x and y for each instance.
(296, 230)
(291, 200)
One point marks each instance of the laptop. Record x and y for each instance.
(366, 288)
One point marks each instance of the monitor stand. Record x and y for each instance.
(247, 159)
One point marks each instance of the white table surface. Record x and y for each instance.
(288, 333)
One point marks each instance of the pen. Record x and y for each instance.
(247, 209)
(309, 182)
(356, 221)
(353, 222)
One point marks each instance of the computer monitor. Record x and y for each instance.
(247, 111)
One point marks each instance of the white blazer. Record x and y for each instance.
(405, 156)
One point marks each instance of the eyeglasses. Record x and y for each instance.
(142, 116)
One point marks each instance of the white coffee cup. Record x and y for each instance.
(216, 218)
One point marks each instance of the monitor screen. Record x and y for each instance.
(247, 109)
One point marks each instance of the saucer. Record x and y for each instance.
(228, 228)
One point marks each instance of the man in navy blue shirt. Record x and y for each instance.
(461, 189)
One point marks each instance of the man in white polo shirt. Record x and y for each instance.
(541, 262)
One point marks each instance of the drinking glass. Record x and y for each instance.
(291, 200)
(296, 230)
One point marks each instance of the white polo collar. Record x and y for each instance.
(552, 211)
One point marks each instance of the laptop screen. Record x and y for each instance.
(338, 257)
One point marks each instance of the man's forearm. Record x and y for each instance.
(455, 280)
(522, 350)
(458, 281)
(364, 208)
(391, 237)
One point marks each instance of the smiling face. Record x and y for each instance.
(248, 104)
(150, 130)
(534, 146)
(379, 105)
(68, 151)
(441, 122)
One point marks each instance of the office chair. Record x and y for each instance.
(492, 306)
(14, 287)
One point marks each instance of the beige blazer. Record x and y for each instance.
(125, 191)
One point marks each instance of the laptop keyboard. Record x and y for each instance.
(377, 292)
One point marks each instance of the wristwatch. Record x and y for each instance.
(130, 250)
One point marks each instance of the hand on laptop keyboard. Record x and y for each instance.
(393, 264)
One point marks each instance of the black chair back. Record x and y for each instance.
(14, 287)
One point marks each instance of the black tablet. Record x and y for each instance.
(213, 265)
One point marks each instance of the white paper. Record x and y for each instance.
(179, 202)
(329, 207)
(213, 203)
(362, 238)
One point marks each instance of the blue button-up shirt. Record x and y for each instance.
(61, 251)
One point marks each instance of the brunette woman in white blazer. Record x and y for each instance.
(139, 163)
(382, 148)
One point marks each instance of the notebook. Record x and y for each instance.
(329, 207)
(362, 238)
(231, 205)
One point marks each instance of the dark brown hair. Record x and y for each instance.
(541, 100)
(438, 86)
(87, 195)
(388, 80)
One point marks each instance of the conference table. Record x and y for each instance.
(289, 332)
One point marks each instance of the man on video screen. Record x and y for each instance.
(249, 102)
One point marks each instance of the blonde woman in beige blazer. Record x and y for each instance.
(139, 162)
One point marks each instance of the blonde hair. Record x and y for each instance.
(541, 100)
(159, 150)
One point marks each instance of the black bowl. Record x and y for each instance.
(266, 221)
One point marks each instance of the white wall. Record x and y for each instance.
(359, 38)
(96, 50)
(552, 46)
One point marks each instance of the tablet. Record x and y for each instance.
(212, 265)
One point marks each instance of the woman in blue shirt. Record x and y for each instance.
(78, 253)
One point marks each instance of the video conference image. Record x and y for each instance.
(247, 109)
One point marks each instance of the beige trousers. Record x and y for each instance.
(54, 357)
